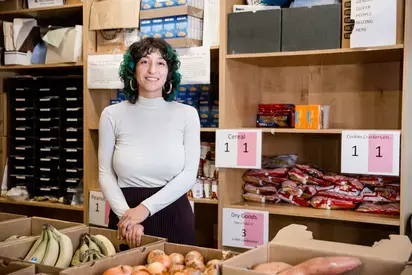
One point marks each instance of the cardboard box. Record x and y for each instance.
(294, 244)
(254, 32)
(311, 28)
(64, 45)
(312, 116)
(33, 4)
(348, 24)
(173, 11)
(30, 268)
(139, 257)
(114, 14)
(116, 40)
(19, 250)
(32, 227)
(16, 268)
(171, 4)
(5, 217)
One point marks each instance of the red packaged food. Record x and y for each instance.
(263, 190)
(297, 175)
(355, 183)
(293, 199)
(331, 203)
(291, 188)
(375, 208)
(335, 178)
(395, 186)
(346, 190)
(261, 198)
(322, 188)
(340, 196)
(308, 191)
(378, 180)
(381, 194)
(266, 176)
(310, 170)
(317, 181)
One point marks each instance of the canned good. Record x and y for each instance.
(207, 187)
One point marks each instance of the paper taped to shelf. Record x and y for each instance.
(103, 71)
(211, 23)
(195, 65)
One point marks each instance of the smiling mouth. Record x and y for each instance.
(151, 79)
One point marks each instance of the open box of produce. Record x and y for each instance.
(294, 252)
(71, 248)
(161, 258)
(19, 229)
(18, 267)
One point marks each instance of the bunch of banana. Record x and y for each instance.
(52, 248)
(92, 247)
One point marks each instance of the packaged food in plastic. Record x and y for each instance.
(261, 198)
(265, 176)
(376, 208)
(293, 199)
(311, 171)
(298, 175)
(381, 194)
(341, 195)
(263, 190)
(280, 161)
(331, 203)
(318, 181)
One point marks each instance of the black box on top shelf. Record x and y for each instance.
(311, 28)
(254, 32)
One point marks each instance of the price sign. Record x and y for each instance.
(239, 149)
(245, 228)
(370, 152)
(99, 209)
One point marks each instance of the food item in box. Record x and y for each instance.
(317, 181)
(310, 170)
(265, 176)
(323, 202)
(263, 190)
(341, 195)
(381, 194)
(392, 208)
(261, 198)
(276, 115)
(335, 178)
(296, 200)
(92, 247)
(298, 175)
(272, 267)
(281, 161)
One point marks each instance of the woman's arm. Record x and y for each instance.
(107, 176)
(183, 182)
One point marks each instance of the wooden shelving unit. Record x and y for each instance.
(43, 204)
(40, 66)
(205, 201)
(366, 88)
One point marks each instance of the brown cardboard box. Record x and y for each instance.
(6, 217)
(116, 40)
(19, 249)
(33, 270)
(32, 227)
(348, 24)
(294, 245)
(16, 268)
(172, 11)
(139, 257)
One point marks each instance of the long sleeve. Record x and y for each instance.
(184, 181)
(107, 177)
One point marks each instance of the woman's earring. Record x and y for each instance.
(131, 85)
(170, 88)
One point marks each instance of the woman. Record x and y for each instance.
(149, 149)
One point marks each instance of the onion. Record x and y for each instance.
(119, 270)
(214, 262)
(163, 259)
(211, 271)
(196, 264)
(176, 268)
(156, 268)
(192, 255)
(177, 258)
(191, 271)
(141, 272)
(153, 254)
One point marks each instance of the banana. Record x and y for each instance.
(92, 245)
(76, 258)
(65, 246)
(52, 249)
(105, 244)
(38, 255)
(83, 250)
(35, 246)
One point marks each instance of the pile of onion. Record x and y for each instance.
(158, 263)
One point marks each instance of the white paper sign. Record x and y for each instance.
(370, 152)
(194, 65)
(375, 23)
(103, 71)
(99, 209)
(211, 23)
(245, 228)
(239, 148)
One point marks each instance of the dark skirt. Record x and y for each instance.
(174, 222)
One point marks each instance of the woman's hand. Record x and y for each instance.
(134, 235)
(130, 218)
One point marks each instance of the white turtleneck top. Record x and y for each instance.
(152, 143)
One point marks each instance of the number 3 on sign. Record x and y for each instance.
(239, 149)
(370, 152)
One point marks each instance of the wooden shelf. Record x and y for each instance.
(213, 48)
(205, 201)
(46, 13)
(314, 131)
(322, 57)
(208, 129)
(307, 212)
(40, 66)
(42, 204)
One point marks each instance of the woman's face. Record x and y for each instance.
(151, 75)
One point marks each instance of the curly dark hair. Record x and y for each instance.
(141, 49)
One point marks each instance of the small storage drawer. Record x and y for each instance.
(73, 132)
(48, 112)
(48, 162)
(70, 122)
(44, 122)
(48, 131)
(21, 170)
(48, 102)
(48, 142)
(47, 172)
(47, 151)
(22, 131)
(72, 101)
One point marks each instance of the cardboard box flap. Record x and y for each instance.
(16, 268)
(398, 248)
(55, 37)
(172, 11)
(114, 14)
